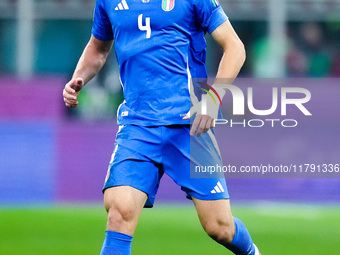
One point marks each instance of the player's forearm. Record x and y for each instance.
(231, 63)
(92, 60)
(89, 64)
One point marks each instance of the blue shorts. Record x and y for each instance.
(143, 154)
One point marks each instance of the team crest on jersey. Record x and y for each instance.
(168, 5)
(145, 1)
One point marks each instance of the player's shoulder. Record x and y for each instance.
(205, 6)
(205, 2)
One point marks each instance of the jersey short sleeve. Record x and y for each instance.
(209, 14)
(101, 28)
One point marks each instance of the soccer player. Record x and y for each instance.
(159, 46)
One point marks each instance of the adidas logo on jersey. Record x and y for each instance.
(122, 6)
(218, 188)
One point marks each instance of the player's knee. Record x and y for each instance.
(120, 214)
(220, 232)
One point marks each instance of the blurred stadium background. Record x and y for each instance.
(53, 160)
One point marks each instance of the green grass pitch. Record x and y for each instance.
(168, 230)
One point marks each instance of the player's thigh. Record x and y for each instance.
(214, 214)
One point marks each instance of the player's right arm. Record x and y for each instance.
(91, 61)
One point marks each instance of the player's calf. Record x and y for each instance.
(242, 243)
(217, 220)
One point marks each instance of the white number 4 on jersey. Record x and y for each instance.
(145, 27)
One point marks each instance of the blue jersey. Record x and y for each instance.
(159, 45)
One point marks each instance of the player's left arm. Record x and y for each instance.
(234, 53)
(231, 62)
(91, 61)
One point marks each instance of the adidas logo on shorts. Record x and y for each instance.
(218, 188)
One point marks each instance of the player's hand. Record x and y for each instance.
(206, 112)
(71, 92)
(202, 122)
